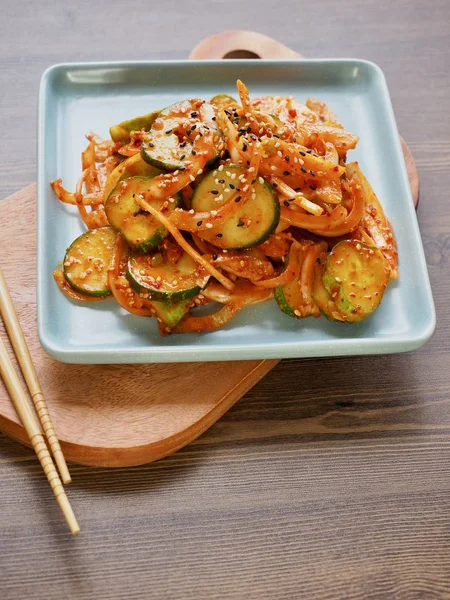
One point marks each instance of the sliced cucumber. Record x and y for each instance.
(252, 224)
(356, 276)
(129, 167)
(87, 260)
(222, 100)
(141, 230)
(168, 145)
(322, 297)
(121, 132)
(171, 313)
(288, 297)
(166, 280)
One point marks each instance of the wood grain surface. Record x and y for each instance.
(331, 478)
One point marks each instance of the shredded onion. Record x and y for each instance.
(326, 224)
(184, 244)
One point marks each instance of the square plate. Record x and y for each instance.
(75, 98)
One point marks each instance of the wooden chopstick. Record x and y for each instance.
(27, 416)
(22, 353)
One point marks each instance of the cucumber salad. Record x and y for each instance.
(231, 202)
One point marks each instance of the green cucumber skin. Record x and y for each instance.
(185, 271)
(352, 309)
(203, 190)
(120, 132)
(221, 100)
(161, 296)
(103, 293)
(171, 313)
(150, 155)
(282, 303)
(160, 232)
(164, 165)
(320, 294)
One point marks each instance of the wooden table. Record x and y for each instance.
(331, 478)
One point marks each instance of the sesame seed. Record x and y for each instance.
(169, 131)
(193, 152)
(242, 263)
(227, 190)
(280, 154)
(286, 203)
(200, 171)
(245, 188)
(277, 145)
(191, 177)
(297, 313)
(302, 153)
(199, 223)
(213, 213)
(313, 187)
(286, 158)
(238, 198)
(220, 168)
(251, 170)
(273, 168)
(240, 224)
(286, 173)
(221, 180)
(232, 186)
(209, 225)
(220, 197)
(214, 192)
(219, 235)
(303, 170)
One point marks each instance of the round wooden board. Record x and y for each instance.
(124, 415)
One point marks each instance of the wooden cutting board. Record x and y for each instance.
(124, 415)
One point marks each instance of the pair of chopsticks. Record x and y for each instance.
(24, 409)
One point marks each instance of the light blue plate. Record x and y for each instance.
(75, 98)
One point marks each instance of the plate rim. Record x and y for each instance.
(189, 353)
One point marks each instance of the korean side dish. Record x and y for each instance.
(228, 203)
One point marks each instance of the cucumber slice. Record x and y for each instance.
(166, 280)
(323, 299)
(129, 167)
(121, 132)
(252, 224)
(168, 144)
(171, 313)
(87, 260)
(288, 297)
(140, 229)
(356, 276)
(222, 100)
